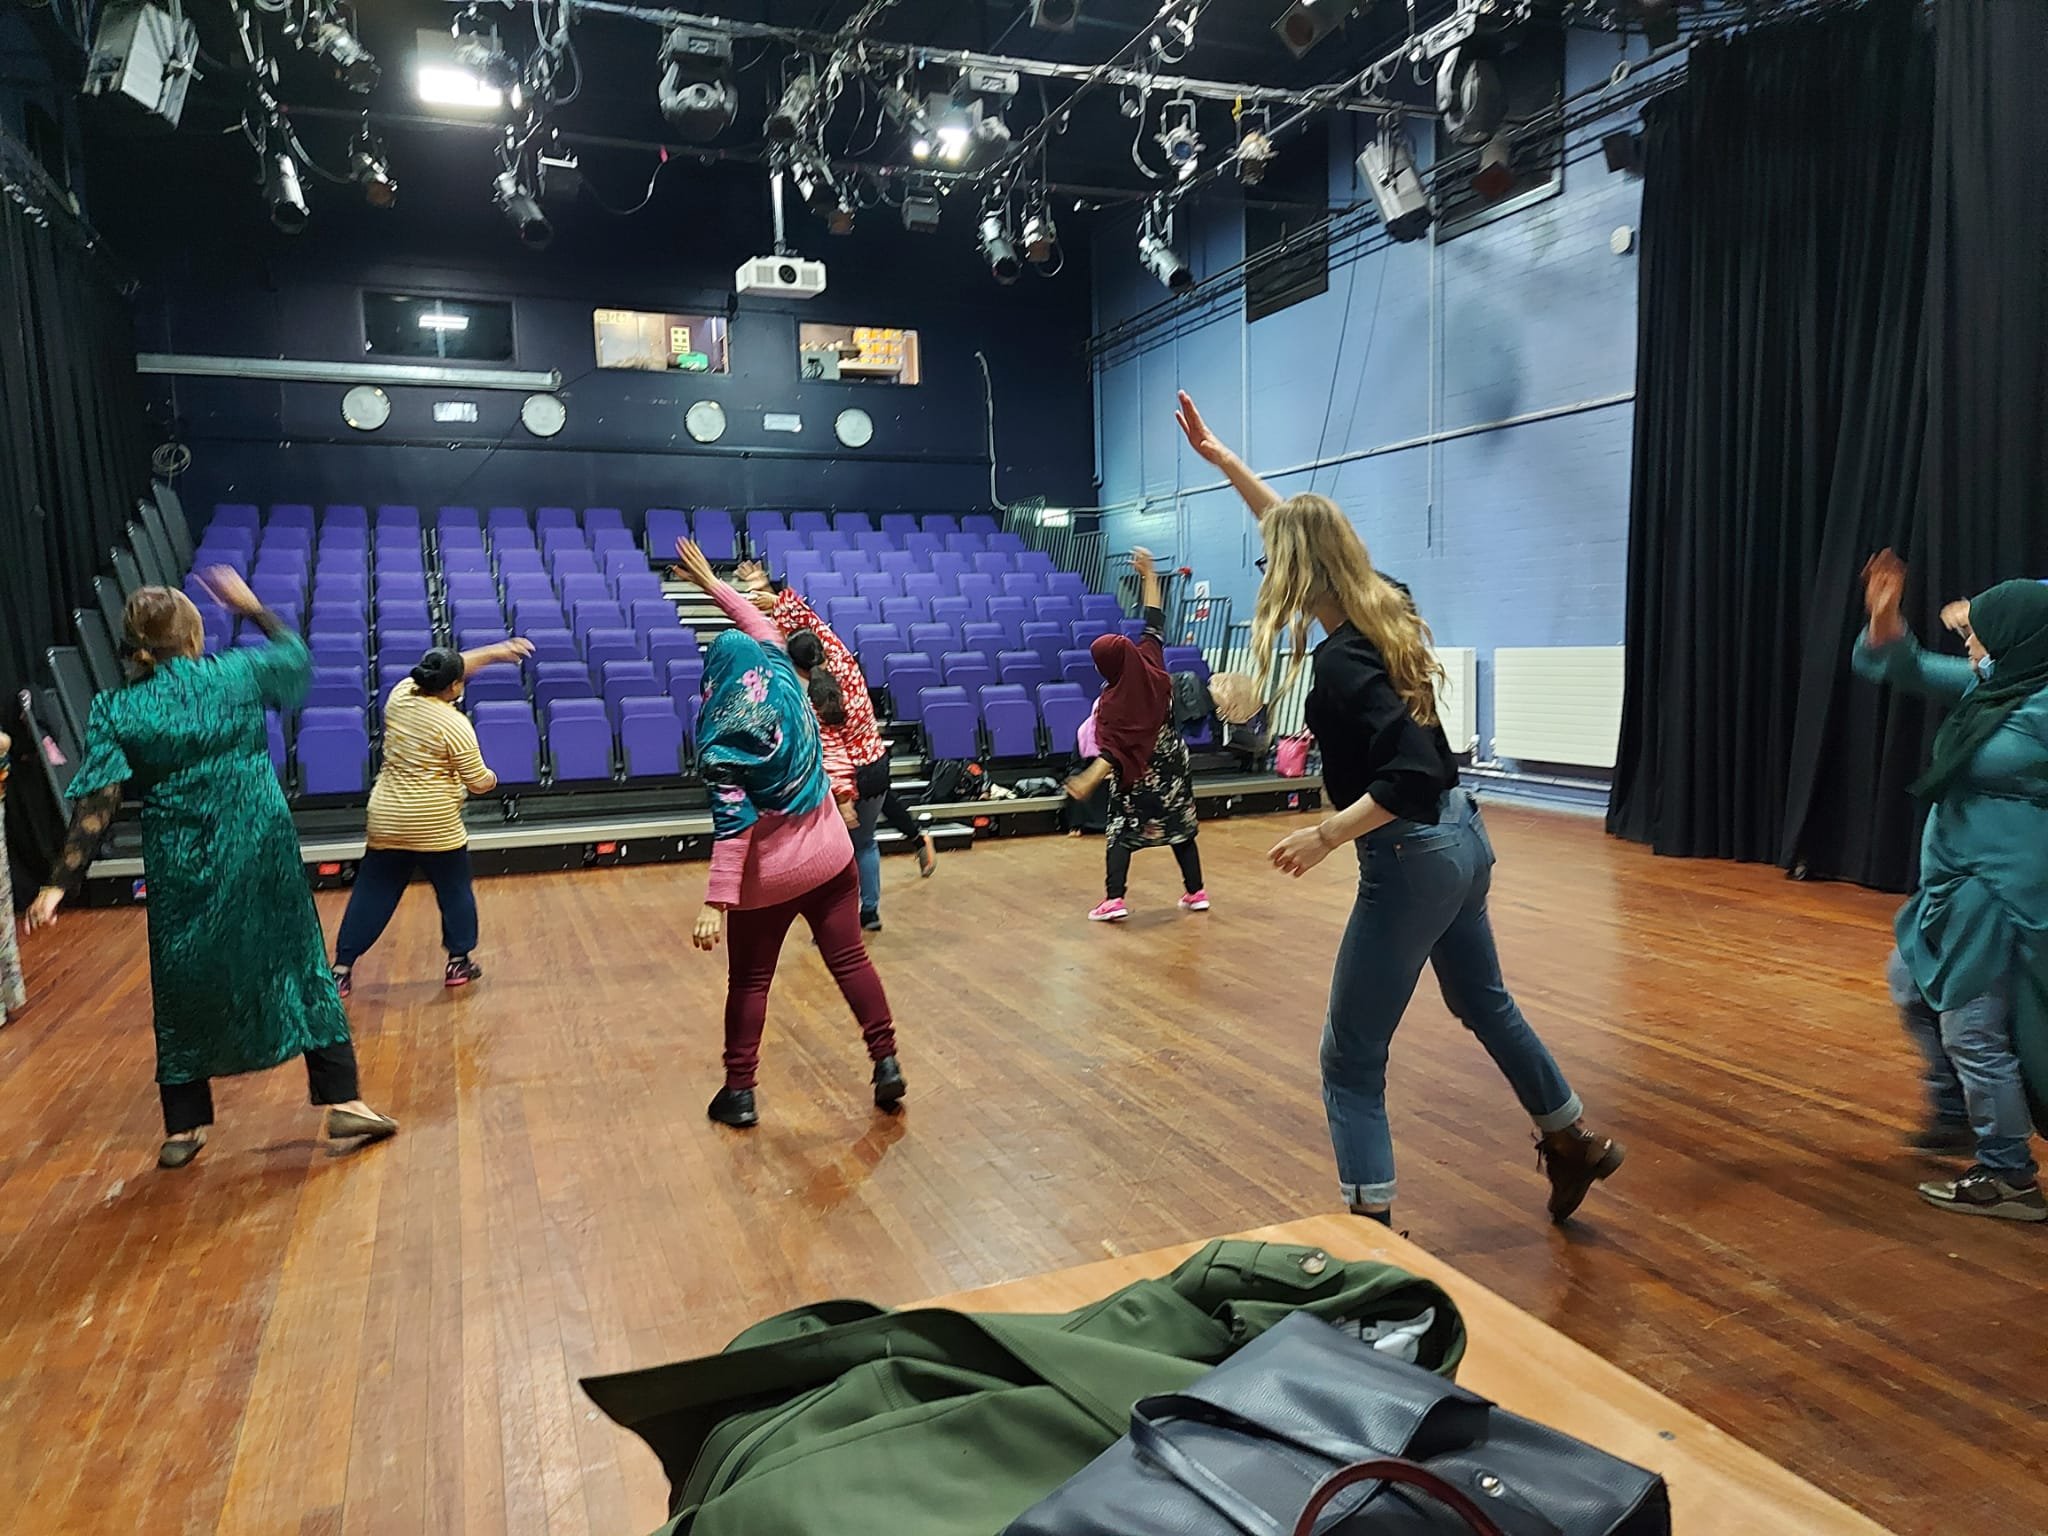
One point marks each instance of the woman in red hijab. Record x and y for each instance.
(1152, 789)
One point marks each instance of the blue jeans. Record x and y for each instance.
(1973, 1072)
(867, 858)
(1421, 897)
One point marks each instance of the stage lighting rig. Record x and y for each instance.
(516, 191)
(282, 195)
(794, 114)
(1307, 22)
(997, 248)
(1387, 166)
(1040, 238)
(370, 168)
(330, 38)
(1055, 15)
(1155, 249)
(1470, 96)
(479, 50)
(1255, 153)
(1179, 138)
(697, 92)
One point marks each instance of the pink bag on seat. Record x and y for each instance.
(1290, 757)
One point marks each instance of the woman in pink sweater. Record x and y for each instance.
(780, 850)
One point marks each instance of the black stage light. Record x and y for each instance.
(514, 194)
(1470, 97)
(1624, 152)
(997, 248)
(921, 213)
(282, 194)
(793, 113)
(1308, 22)
(372, 172)
(343, 50)
(1041, 238)
(1388, 168)
(697, 93)
(1055, 15)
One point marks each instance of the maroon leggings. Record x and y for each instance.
(753, 944)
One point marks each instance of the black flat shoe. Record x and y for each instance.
(889, 1084)
(345, 1123)
(176, 1153)
(871, 920)
(734, 1107)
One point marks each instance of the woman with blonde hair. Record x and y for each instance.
(237, 967)
(1424, 860)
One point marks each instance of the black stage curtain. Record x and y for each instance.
(1839, 349)
(74, 444)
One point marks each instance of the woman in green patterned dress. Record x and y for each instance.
(238, 969)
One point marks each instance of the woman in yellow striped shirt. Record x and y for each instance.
(432, 764)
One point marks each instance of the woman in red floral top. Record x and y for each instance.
(862, 737)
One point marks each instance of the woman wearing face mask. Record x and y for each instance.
(237, 967)
(1424, 860)
(1970, 973)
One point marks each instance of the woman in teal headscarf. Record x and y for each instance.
(781, 848)
(1970, 974)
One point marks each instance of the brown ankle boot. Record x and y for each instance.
(1574, 1159)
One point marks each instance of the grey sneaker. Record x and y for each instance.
(1982, 1192)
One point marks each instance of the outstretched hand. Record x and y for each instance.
(710, 926)
(696, 568)
(1200, 438)
(230, 591)
(1884, 589)
(1143, 564)
(43, 910)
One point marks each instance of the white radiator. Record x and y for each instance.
(1558, 704)
(1457, 697)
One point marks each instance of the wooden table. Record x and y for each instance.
(1719, 1486)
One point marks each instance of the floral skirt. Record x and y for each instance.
(13, 993)
(1160, 808)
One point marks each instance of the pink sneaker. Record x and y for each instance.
(1198, 902)
(1111, 911)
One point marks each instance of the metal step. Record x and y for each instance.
(947, 834)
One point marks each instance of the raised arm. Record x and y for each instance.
(475, 661)
(1886, 651)
(1151, 596)
(746, 618)
(1260, 497)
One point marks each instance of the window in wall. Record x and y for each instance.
(661, 343)
(1286, 227)
(1474, 185)
(454, 330)
(870, 353)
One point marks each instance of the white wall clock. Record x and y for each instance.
(543, 415)
(366, 407)
(856, 429)
(706, 421)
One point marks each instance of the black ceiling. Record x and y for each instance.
(1234, 42)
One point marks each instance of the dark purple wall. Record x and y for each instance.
(216, 279)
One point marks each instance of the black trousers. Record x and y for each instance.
(330, 1079)
(871, 779)
(1118, 874)
(381, 879)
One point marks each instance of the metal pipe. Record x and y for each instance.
(313, 371)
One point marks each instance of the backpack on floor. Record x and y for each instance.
(955, 780)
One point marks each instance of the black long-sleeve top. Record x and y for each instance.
(1371, 745)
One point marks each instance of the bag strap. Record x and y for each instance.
(1409, 1474)
(1151, 1441)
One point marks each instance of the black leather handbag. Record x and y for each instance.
(1307, 1431)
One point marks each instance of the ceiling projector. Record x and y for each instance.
(786, 277)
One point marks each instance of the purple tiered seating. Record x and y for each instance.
(951, 722)
(627, 679)
(1063, 707)
(984, 637)
(1048, 640)
(716, 534)
(493, 684)
(1012, 721)
(1025, 668)
(809, 524)
(579, 739)
(970, 670)
(601, 646)
(664, 526)
(651, 737)
(978, 522)
(672, 644)
(337, 688)
(1078, 668)
(334, 752)
(510, 740)
(876, 640)
(899, 523)
(934, 640)
(909, 675)
(556, 680)
(852, 522)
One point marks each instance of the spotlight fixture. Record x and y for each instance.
(955, 134)
(478, 50)
(1255, 152)
(371, 170)
(561, 176)
(1177, 136)
(514, 193)
(997, 248)
(793, 113)
(908, 113)
(839, 221)
(1308, 22)
(921, 213)
(1156, 251)
(1041, 238)
(812, 175)
(1055, 15)
(1470, 97)
(282, 194)
(354, 64)
(697, 92)
(1494, 177)
(1388, 168)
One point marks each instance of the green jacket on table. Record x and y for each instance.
(843, 1418)
(1979, 920)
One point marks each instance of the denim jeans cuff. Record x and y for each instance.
(1558, 1119)
(1363, 1196)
